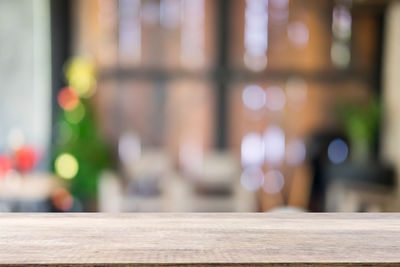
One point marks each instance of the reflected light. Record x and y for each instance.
(273, 182)
(75, 115)
(252, 178)
(68, 98)
(274, 141)
(295, 152)
(275, 98)
(252, 150)
(338, 151)
(253, 97)
(66, 166)
(298, 33)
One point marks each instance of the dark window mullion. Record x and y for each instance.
(222, 74)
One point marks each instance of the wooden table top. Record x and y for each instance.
(305, 239)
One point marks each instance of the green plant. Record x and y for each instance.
(361, 125)
(78, 135)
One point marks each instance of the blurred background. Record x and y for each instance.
(199, 105)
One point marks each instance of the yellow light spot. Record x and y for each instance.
(76, 115)
(66, 166)
(81, 75)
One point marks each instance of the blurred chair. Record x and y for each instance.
(154, 186)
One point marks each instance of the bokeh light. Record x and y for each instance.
(129, 148)
(62, 199)
(253, 97)
(252, 178)
(255, 63)
(75, 115)
(274, 141)
(340, 54)
(66, 166)
(298, 33)
(256, 34)
(68, 99)
(341, 22)
(25, 158)
(275, 98)
(81, 76)
(273, 182)
(338, 151)
(252, 150)
(5, 165)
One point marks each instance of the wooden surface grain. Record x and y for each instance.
(200, 238)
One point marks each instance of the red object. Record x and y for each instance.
(5, 165)
(25, 158)
(68, 98)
